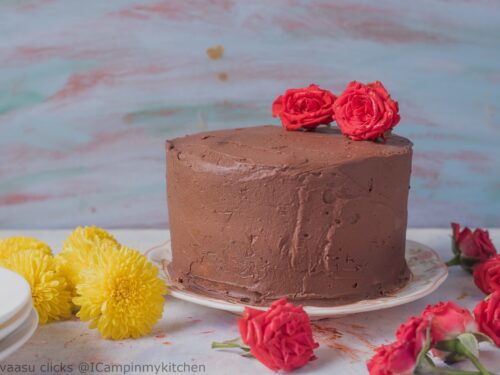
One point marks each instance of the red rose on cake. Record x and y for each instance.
(280, 338)
(470, 247)
(304, 108)
(487, 314)
(487, 275)
(365, 112)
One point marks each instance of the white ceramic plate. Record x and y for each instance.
(15, 294)
(428, 272)
(16, 321)
(16, 339)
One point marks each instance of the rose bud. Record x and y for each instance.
(449, 320)
(397, 358)
(487, 314)
(365, 112)
(304, 108)
(470, 247)
(487, 275)
(280, 338)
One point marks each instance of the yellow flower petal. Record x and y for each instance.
(80, 249)
(12, 245)
(121, 295)
(49, 289)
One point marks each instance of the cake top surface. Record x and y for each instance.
(274, 146)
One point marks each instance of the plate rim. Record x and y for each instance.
(26, 299)
(16, 321)
(366, 305)
(24, 333)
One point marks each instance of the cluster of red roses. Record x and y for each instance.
(451, 331)
(447, 330)
(475, 252)
(362, 111)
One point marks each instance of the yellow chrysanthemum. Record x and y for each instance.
(12, 245)
(79, 251)
(49, 289)
(121, 294)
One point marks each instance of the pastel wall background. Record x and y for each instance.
(90, 90)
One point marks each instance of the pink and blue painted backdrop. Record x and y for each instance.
(90, 90)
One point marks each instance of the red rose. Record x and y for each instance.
(414, 330)
(487, 275)
(395, 359)
(304, 108)
(487, 314)
(280, 338)
(448, 320)
(471, 247)
(365, 112)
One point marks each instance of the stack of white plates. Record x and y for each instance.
(18, 318)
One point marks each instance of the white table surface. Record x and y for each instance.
(186, 331)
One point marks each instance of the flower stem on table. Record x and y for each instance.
(448, 371)
(462, 349)
(229, 344)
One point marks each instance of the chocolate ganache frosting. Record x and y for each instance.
(261, 213)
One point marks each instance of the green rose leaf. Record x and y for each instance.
(470, 342)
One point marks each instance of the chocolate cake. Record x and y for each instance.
(261, 213)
